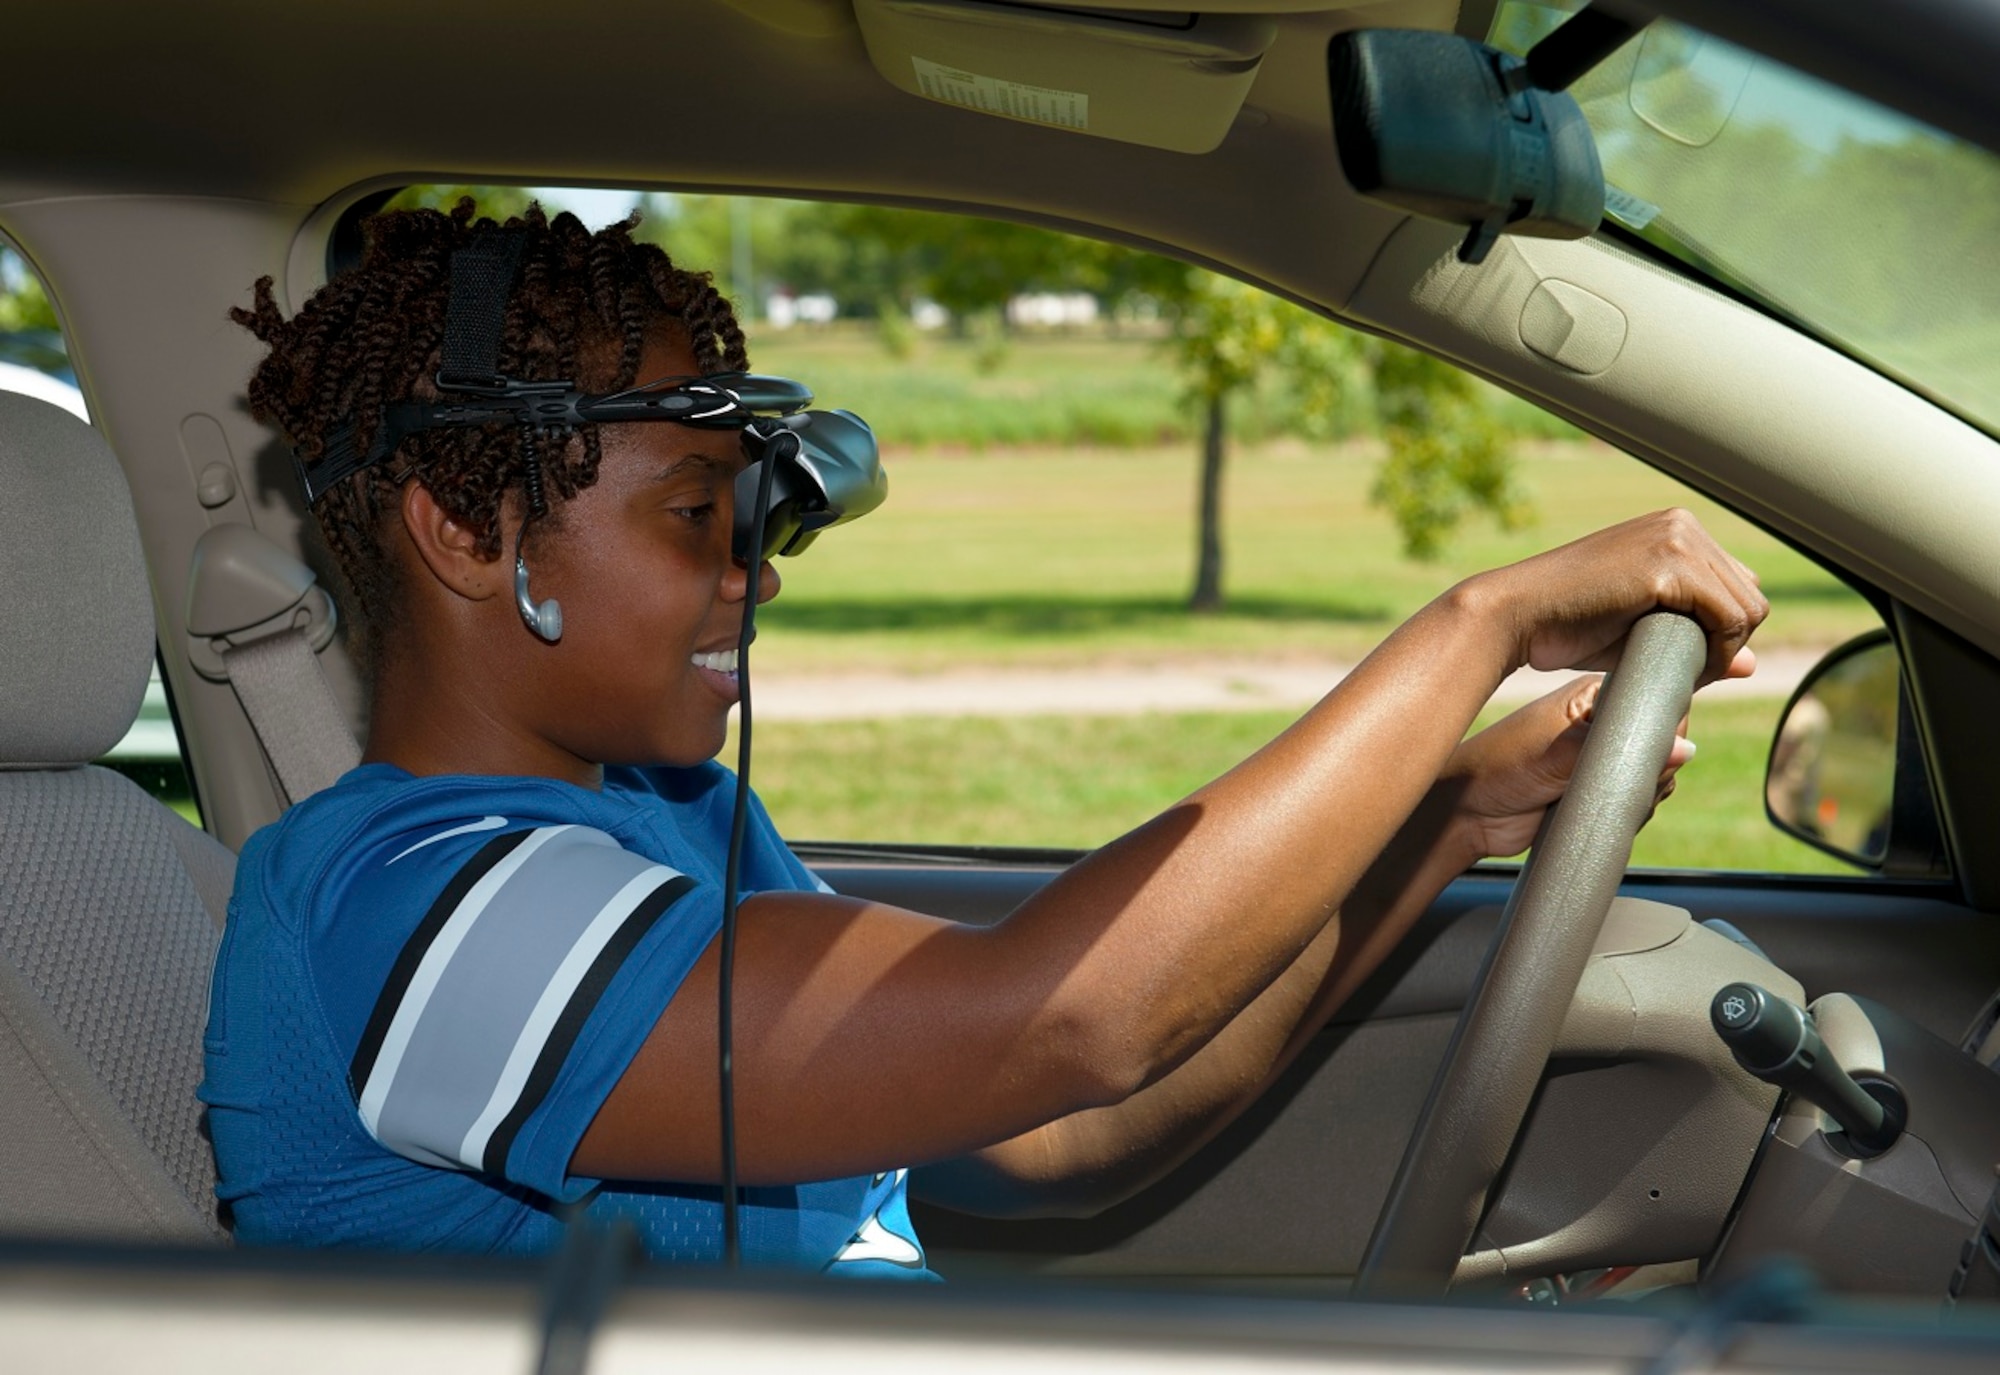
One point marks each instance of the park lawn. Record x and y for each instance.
(1054, 557)
(1091, 387)
(1080, 781)
(972, 396)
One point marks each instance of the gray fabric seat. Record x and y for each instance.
(110, 903)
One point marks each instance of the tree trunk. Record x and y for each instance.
(1208, 560)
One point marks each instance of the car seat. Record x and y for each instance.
(110, 903)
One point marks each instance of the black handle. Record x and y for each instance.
(1776, 1040)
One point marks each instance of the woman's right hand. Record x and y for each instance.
(1571, 607)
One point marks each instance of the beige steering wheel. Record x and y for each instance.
(1523, 990)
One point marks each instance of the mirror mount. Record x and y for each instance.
(1455, 130)
(1582, 41)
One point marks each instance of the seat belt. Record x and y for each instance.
(256, 619)
(298, 722)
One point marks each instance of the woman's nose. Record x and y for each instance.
(737, 580)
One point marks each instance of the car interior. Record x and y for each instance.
(1489, 1122)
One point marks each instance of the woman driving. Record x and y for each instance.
(471, 989)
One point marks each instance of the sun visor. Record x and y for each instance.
(1170, 80)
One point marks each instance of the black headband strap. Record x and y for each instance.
(482, 275)
(473, 393)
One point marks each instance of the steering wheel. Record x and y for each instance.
(1523, 990)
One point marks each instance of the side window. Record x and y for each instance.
(1141, 517)
(152, 756)
(34, 361)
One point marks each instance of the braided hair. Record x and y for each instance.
(583, 308)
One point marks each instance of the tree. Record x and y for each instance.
(969, 266)
(500, 202)
(24, 306)
(1446, 455)
(29, 333)
(1226, 336)
(753, 245)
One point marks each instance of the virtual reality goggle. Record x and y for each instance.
(825, 467)
(827, 470)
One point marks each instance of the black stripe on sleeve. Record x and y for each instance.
(405, 968)
(562, 1037)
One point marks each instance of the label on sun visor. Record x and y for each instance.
(1040, 104)
(1627, 208)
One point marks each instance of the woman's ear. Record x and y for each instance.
(449, 548)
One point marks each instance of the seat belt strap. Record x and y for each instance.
(298, 721)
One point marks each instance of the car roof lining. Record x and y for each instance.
(293, 103)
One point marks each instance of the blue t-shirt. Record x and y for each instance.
(428, 987)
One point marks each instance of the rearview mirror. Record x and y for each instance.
(1454, 130)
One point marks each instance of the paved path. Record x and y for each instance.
(1222, 685)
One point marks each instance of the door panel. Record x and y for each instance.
(1290, 1190)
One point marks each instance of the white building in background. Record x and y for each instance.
(783, 310)
(1051, 308)
(1047, 309)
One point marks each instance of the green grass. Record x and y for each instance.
(1067, 781)
(1715, 819)
(1050, 557)
(960, 394)
(1043, 388)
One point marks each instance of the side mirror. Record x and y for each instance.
(1846, 772)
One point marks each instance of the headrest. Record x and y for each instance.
(76, 613)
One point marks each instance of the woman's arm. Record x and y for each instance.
(1079, 1165)
(868, 1037)
(1488, 804)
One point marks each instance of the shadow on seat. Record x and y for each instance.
(110, 903)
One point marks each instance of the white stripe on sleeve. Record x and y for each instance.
(376, 1091)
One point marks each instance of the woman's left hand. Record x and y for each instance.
(1503, 779)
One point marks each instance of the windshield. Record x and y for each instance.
(1877, 233)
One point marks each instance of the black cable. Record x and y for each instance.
(1778, 1291)
(584, 1277)
(732, 1256)
(531, 479)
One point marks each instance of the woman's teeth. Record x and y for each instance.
(725, 662)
